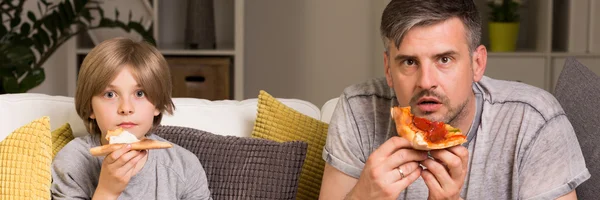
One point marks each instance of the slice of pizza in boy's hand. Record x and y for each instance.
(119, 138)
(424, 134)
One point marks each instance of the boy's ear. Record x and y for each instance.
(156, 112)
(92, 116)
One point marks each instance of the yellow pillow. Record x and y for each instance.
(278, 122)
(60, 137)
(25, 157)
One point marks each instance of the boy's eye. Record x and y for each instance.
(140, 93)
(110, 94)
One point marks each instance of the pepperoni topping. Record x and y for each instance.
(434, 131)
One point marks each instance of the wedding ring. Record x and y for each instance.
(402, 176)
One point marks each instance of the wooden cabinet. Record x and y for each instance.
(201, 77)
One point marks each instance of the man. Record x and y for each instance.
(520, 144)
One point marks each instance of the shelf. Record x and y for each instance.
(183, 52)
(516, 54)
(567, 54)
(189, 52)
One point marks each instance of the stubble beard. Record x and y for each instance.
(453, 116)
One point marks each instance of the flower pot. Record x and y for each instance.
(503, 36)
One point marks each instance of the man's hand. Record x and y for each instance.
(446, 174)
(381, 177)
(117, 169)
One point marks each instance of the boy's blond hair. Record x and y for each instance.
(101, 66)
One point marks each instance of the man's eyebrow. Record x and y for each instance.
(401, 57)
(446, 53)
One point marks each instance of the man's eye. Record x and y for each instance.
(409, 62)
(140, 94)
(110, 94)
(445, 60)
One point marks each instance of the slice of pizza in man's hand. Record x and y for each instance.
(424, 134)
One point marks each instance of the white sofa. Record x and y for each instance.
(226, 117)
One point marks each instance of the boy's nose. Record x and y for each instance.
(126, 108)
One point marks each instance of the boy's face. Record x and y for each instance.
(123, 103)
(432, 71)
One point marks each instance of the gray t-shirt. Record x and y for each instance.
(173, 173)
(521, 144)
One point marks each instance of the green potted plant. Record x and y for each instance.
(504, 24)
(26, 43)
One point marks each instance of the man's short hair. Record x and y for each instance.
(400, 16)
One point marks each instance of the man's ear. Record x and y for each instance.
(479, 62)
(156, 112)
(386, 65)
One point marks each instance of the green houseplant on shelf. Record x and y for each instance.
(504, 24)
(26, 41)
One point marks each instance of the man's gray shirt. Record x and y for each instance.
(173, 173)
(521, 144)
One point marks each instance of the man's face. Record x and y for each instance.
(432, 71)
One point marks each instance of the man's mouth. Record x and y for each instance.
(428, 100)
(429, 104)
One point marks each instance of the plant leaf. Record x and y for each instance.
(11, 85)
(69, 11)
(31, 16)
(48, 22)
(79, 5)
(37, 43)
(25, 28)
(34, 78)
(104, 22)
(3, 30)
(15, 21)
(44, 39)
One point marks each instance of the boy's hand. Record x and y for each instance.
(117, 169)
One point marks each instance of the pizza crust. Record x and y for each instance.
(139, 145)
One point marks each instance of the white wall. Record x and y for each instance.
(310, 49)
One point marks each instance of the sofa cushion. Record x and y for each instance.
(242, 167)
(22, 108)
(578, 92)
(25, 157)
(278, 122)
(60, 137)
(327, 109)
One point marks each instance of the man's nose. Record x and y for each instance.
(427, 76)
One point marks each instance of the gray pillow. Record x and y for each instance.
(578, 91)
(242, 168)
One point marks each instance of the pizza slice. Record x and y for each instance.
(119, 138)
(424, 134)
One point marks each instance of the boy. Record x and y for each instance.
(125, 84)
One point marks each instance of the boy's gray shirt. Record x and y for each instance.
(173, 173)
(521, 144)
